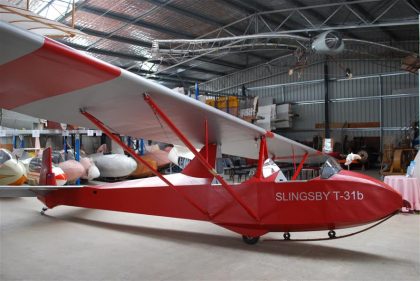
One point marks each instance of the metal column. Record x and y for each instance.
(381, 121)
(327, 100)
(15, 138)
(21, 141)
(65, 148)
(77, 151)
(197, 90)
(141, 147)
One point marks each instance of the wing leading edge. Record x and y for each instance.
(43, 78)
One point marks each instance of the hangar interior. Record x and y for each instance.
(340, 77)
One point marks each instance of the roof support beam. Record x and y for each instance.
(222, 62)
(80, 5)
(116, 38)
(414, 5)
(250, 8)
(122, 18)
(106, 52)
(129, 57)
(309, 25)
(102, 12)
(270, 21)
(324, 25)
(314, 13)
(146, 44)
(359, 9)
(123, 39)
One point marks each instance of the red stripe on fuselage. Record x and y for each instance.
(52, 70)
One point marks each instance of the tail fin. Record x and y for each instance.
(46, 176)
(196, 169)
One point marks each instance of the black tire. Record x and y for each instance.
(250, 240)
(44, 209)
(331, 234)
(286, 236)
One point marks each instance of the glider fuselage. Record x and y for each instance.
(344, 200)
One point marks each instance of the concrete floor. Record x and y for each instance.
(79, 244)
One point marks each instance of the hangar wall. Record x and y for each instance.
(378, 92)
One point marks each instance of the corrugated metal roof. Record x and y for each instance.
(127, 7)
(87, 20)
(120, 31)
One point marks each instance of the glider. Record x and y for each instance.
(43, 78)
(12, 171)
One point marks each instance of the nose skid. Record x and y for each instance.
(406, 204)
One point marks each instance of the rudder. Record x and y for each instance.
(46, 175)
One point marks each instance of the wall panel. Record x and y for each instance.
(352, 100)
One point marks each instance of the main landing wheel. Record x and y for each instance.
(44, 209)
(250, 240)
(331, 234)
(286, 236)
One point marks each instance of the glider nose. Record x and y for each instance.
(378, 194)
(401, 203)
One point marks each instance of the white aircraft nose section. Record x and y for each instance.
(12, 172)
(114, 165)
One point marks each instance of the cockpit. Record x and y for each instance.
(329, 168)
(286, 172)
(4, 156)
(269, 168)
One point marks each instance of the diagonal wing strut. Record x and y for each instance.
(130, 151)
(203, 161)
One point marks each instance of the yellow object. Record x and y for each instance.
(222, 102)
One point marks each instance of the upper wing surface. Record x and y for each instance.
(46, 79)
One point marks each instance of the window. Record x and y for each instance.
(4, 156)
(330, 168)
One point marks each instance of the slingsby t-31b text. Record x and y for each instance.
(318, 196)
(88, 92)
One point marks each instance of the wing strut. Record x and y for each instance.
(130, 151)
(203, 161)
(299, 168)
(262, 157)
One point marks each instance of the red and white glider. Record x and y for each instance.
(43, 78)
